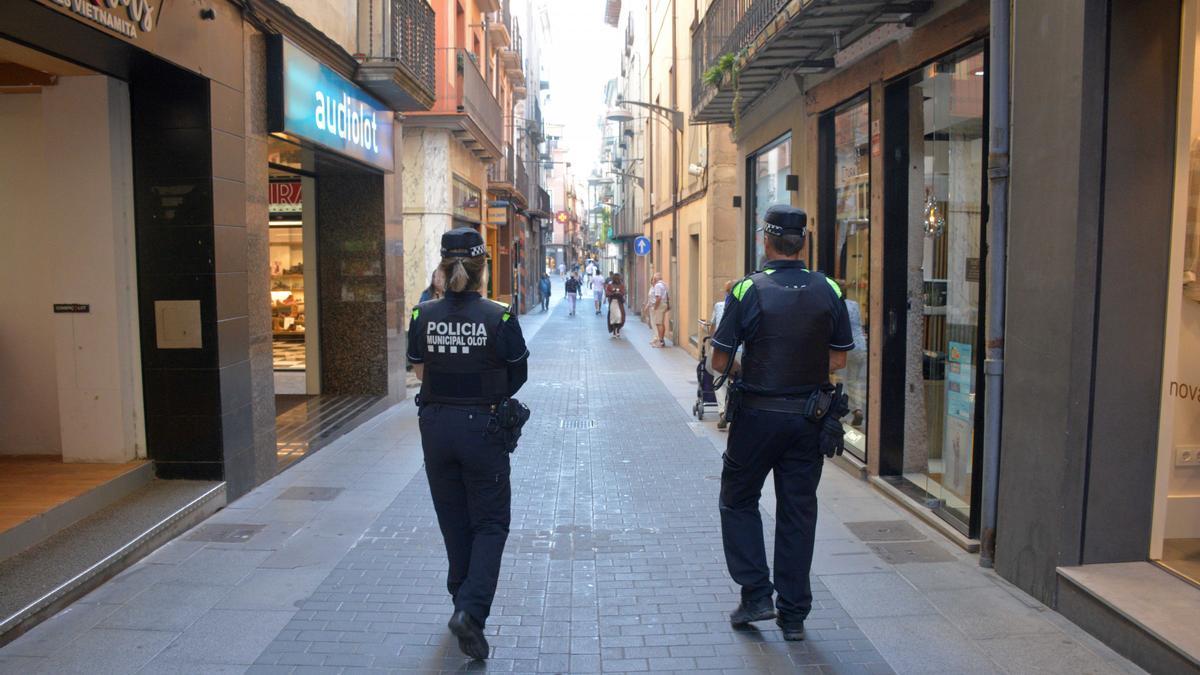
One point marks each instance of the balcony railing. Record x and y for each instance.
(522, 179)
(413, 39)
(476, 99)
(728, 26)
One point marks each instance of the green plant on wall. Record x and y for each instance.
(714, 76)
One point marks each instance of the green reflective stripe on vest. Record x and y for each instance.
(833, 284)
(742, 286)
(505, 317)
(416, 313)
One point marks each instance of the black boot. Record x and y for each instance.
(793, 631)
(469, 634)
(749, 612)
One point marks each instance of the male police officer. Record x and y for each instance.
(795, 331)
(471, 358)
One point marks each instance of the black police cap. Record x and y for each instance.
(463, 242)
(782, 219)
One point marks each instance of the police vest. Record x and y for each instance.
(789, 351)
(462, 364)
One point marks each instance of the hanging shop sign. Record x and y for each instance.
(466, 200)
(307, 100)
(128, 18)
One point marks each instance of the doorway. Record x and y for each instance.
(72, 417)
(935, 187)
(295, 314)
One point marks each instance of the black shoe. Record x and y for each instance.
(793, 631)
(469, 634)
(759, 610)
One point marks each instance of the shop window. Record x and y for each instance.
(845, 244)
(289, 320)
(936, 119)
(769, 168)
(1176, 542)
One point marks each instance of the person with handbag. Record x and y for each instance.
(471, 358)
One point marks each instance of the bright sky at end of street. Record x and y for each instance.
(580, 54)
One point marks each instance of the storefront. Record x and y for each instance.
(767, 171)
(329, 156)
(1097, 511)
(845, 243)
(936, 153)
(142, 121)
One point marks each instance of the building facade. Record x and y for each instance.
(241, 252)
(884, 136)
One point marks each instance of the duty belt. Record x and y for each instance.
(777, 403)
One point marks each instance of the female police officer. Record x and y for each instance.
(471, 357)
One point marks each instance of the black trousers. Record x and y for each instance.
(787, 445)
(468, 472)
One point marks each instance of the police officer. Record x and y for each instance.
(471, 357)
(794, 329)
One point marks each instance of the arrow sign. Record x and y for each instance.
(641, 245)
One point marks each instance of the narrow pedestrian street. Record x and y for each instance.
(613, 564)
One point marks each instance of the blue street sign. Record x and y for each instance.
(641, 246)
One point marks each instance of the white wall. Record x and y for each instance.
(28, 386)
(89, 165)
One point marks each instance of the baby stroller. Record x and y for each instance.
(705, 395)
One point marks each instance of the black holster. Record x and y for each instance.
(733, 402)
(510, 417)
(827, 406)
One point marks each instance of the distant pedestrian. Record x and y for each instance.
(573, 287)
(562, 269)
(436, 288)
(589, 271)
(615, 292)
(661, 298)
(598, 285)
(544, 289)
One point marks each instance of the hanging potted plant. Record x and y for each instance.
(727, 64)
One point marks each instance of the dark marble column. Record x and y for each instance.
(352, 282)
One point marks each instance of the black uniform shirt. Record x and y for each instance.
(743, 309)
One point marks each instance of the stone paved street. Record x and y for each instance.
(614, 562)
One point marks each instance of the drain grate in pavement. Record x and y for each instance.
(576, 423)
(906, 552)
(310, 494)
(225, 533)
(885, 530)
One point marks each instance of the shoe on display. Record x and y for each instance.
(762, 609)
(793, 631)
(470, 635)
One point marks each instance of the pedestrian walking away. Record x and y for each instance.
(615, 291)
(544, 289)
(471, 358)
(573, 287)
(784, 420)
(660, 305)
(598, 284)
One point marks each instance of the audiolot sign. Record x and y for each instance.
(307, 100)
(126, 17)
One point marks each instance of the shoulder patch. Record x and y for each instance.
(506, 317)
(834, 285)
(416, 313)
(739, 290)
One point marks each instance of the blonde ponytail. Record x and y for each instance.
(464, 274)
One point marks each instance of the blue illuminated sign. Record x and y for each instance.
(309, 101)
